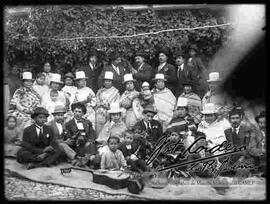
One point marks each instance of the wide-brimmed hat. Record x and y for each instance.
(69, 75)
(108, 75)
(80, 75)
(78, 105)
(193, 47)
(182, 102)
(214, 77)
(128, 77)
(209, 108)
(159, 76)
(56, 78)
(39, 110)
(261, 115)
(59, 109)
(150, 108)
(115, 108)
(27, 76)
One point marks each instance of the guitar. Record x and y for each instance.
(114, 179)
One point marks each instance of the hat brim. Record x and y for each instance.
(114, 111)
(149, 111)
(59, 112)
(35, 114)
(159, 79)
(214, 80)
(128, 81)
(107, 79)
(28, 79)
(59, 82)
(81, 78)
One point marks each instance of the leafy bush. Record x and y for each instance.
(33, 44)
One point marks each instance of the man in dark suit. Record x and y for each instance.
(81, 136)
(152, 127)
(60, 132)
(168, 70)
(39, 145)
(142, 72)
(118, 72)
(92, 70)
(184, 73)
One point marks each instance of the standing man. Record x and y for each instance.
(117, 70)
(184, 73)
(92, 70)
(143, 71)
(199, 70)
(39, 145)
(168, 70)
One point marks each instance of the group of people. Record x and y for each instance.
(112, 118)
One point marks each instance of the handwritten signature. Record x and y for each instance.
(166, 145)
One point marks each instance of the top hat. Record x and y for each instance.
(39, 110)
(80, 75)
(149, 108)
(209, 108)
(128, 77)
(182, 102)
(27, 76)
(159, 76)
(114, 108)
(69, 75)
(108, 75)
(56, 78)
(59, 109)
(214, 76)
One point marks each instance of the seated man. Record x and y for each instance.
(59, 130)
(238, 135)
(257, 145)
(39, 145)
(81, 137)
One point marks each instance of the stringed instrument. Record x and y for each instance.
(114, 179)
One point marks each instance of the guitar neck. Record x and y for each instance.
(82, 169)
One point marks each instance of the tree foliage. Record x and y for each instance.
(29, 38)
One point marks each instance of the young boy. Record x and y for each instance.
(52, 103)
(131, 152)
(113, 158)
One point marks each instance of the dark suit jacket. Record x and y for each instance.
(255, 144)
(92, 81)
(72, 129)
(182, 76)
(117, 78)
(156, 130)
(144, 74)
(242, 138)
(127, 152)
(57, 135)
(169, 72)
(35, 144)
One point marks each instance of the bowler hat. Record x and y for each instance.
(187, 82)
(261, 115)
(115, 108)
(164, 51)
(128, 77)
(39, 110)
(80, 75)
(69, 75)
(209, 108)
(78, 105)
(140, 54)
(59, 109)
(193, 47)
(56, 78)
(27, 76)
(150, 108)
(159, 76)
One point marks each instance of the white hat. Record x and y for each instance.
(144, 84)
(27, 76)
(214, 76)
(182, 102)
(159, 76)
(56, 78)
(114, 108)
(80, 75)
(128, 77)
(108, 75)
(209, 108)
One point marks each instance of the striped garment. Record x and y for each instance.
(177, 125)
(165, 102)
(104, 98)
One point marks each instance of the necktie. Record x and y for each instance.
(234, 132)
(149, 127)
(40, 130)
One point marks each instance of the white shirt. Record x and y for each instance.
(60, 128)
(237, 129)
(140, 66)
(146, 124)
(161, 66)
(116, 69)
(79, 125)
(92, 66)
(38, 129)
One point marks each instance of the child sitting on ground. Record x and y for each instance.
(39, 85)
(113, 158)
(13, 136)
(131, 152)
